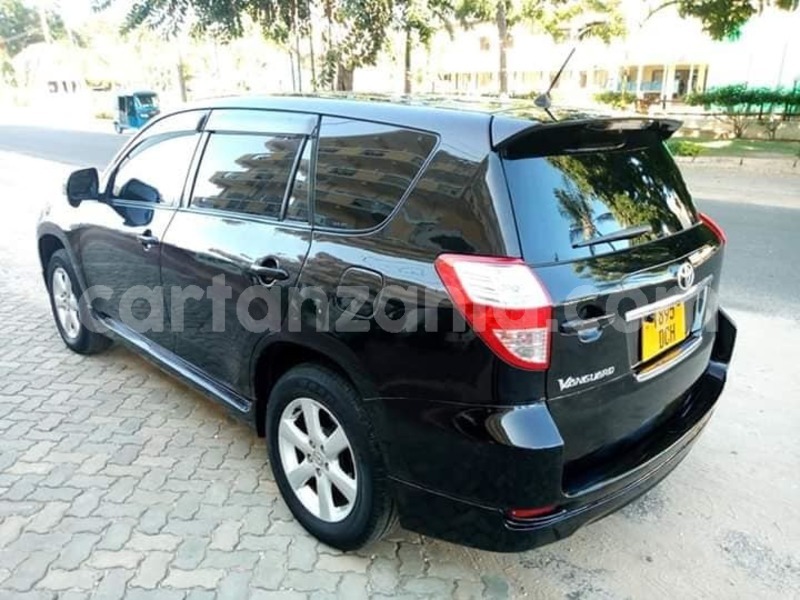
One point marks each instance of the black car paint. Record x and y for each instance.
(465, 436)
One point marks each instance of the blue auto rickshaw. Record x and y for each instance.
(134, 109)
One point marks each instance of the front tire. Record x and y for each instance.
(70, 310)
(325, 459)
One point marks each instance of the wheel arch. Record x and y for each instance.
(282, 352)
(51, 239)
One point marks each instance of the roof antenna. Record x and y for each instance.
(544, 101)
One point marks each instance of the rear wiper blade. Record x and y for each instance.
(622, 234)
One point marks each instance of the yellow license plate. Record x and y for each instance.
(662, 330)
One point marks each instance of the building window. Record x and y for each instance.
(486, 43)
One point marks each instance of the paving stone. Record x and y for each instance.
(57, 579)
(346, 563)
(30, 570)
(234, 586)
(309, 582)
(240, 559)
(113, 584)
(76, 551)
(468, 590)
(11, 528)
(159, 594)
(496, 587)
(145, 543)
(383, 575)
(353, 586)
(277, 595)
(84, 504)
(226, 536)
(109, 559)
(270, 570)
(191, 553)
(265, 542)
(303, 553)
(204, 578)
(198, 594)
(152, 570)
(47, 518)
(153, 520)
(429, 586)
(116, 536)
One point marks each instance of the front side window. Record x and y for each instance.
(246, 173)
(155, 170)
(363, 171)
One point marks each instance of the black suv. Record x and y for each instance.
(496, 326)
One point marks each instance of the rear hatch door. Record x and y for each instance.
(606, 222)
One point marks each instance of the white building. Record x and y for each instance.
(660, 57)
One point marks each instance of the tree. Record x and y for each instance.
(21, 26)
(420, 19)
(550, 15)
(354, 30)
(723, 18)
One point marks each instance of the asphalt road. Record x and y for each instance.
(84, 149)
(762, 272)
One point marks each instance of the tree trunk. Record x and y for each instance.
(407, 63)
(311, 52)
(344, 78)
(296, 32)
(181, 78)
(502, 35)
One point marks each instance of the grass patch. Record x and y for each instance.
(745, 148)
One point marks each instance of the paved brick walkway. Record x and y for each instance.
(118, 482)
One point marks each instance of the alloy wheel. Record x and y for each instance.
(66, 303)
(318, 460)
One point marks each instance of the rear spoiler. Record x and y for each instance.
(506, 132)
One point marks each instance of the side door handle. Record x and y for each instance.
(147, 239)
(268, 270)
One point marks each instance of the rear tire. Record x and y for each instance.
(339, 494)
(70, 309)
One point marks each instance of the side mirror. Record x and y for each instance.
(83, 185)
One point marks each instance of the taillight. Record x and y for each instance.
(714, 226)
(504, 303)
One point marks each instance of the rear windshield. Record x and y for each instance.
(572, 206)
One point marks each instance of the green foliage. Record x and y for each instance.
(724, 18)
(615, 99)
(683, 148)
(20, 26)
(738, 103)
(739, 98)
(550, 15)
(354, 31)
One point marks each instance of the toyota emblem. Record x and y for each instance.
(685, 276)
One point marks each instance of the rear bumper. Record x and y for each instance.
(467, 466)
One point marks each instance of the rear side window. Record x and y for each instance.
(246, 173)
(571, 206)
(363, 170)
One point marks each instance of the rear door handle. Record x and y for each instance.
(147, 239)
(268, 270)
